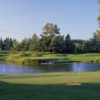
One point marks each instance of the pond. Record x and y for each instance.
(9, 68)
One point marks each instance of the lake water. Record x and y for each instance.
(8, 68)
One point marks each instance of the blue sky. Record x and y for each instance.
(22, 18)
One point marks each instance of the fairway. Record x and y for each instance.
(38, 58)
(39, 86)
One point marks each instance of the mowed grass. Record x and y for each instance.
(39, 86)
(88, 57)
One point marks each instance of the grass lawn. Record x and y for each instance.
(38, 86)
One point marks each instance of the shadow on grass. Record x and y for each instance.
(25, 55)
(10, 91)
(3, 55)
(29, 55)
(62, 55)
(39, 55)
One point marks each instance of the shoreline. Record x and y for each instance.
(29, 59)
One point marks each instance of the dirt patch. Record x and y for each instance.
(69, 84)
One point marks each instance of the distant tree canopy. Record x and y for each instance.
(51, 41)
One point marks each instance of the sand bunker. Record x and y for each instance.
(69, 84)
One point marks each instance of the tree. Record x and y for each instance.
(16, 46)
(95, 43)
(57, 44)
(50, 30)
(0, 50)
(78, 48)
(8, 43)
(87, 47)
(69, 46)
(24, 45)
(78, 41)
(1, 43)
(34, 43)
(97, 34)
(44, 44)
(98, 19)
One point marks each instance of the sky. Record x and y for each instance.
(22, 18)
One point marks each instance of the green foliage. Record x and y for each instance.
(34, 43)
(57, 44)
(98, 18)
(51, 41)
(33, 61)
(2, 58)
(16, 46)
(24, 44)
(38, 58)
(8, 42)
(78, 48)
(69, 46)
(44, 44)
(0, 50)
(1, 43)
(15, 60)
(97, 35)
(99, 1)
(50, 30)
(22, 60)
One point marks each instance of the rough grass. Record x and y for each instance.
(38, 86)
(20, 58)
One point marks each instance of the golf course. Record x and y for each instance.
(49, 49)
(40, 86)
(38, 58)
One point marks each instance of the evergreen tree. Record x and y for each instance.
(69, 46)
(1, 43)
(57, 44)
(7, 44)
(34, 43)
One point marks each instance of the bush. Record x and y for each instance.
(25, 61)
(33, 61)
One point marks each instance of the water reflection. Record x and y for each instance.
(8, 68)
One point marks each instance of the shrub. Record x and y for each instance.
(33, 61)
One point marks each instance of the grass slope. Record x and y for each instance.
(37, 86)
(20, 58)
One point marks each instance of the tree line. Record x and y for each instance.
(51, 41)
